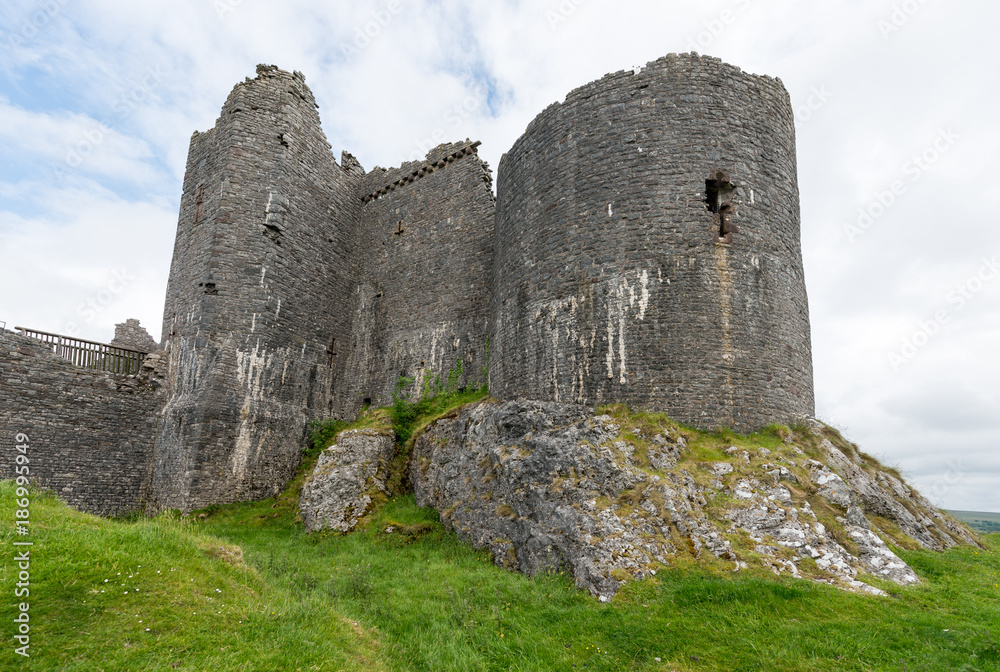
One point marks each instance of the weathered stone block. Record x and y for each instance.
(347, 475)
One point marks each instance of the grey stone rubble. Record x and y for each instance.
(339, 492)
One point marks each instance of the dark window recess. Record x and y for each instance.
(331, 353)
(198, 201)
(209, 285)
(399, 229)
(368, 401)
(273, 232)
(719, 193)
(282, 140)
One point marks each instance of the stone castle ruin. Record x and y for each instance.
(642, 247)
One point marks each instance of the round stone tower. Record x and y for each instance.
(647, 250)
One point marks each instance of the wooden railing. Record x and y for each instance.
(89, 354)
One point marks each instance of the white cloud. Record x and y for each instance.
(87, 264)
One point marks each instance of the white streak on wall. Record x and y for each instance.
(610, 357)
(644, 300)
(250, 367)
(621, 332)
(437, 336)
(617, 314)
(553, 328)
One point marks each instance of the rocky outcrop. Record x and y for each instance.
(552, 487)
(347, 475)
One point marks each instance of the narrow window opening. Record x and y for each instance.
(198, 201)
(368, 401)
(719, 191)
(399, 229)
(331, 353)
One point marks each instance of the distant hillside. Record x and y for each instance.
(981, 521)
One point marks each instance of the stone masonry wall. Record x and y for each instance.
(647, 250)
(90, 433)
(259, 297)
(424, 276)
(130, 334)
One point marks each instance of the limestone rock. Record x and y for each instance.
(339, 492)
(551, 487)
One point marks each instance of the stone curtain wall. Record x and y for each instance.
(612, 282)
(424, 276)
(91, 433)
(259, 298)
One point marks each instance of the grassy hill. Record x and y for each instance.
(981, 521)
(241, 587)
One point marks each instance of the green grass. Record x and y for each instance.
(424, 601)
(160, 594)
(412, 411)
(415, 598)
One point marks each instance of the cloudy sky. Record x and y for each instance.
(896, 106)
